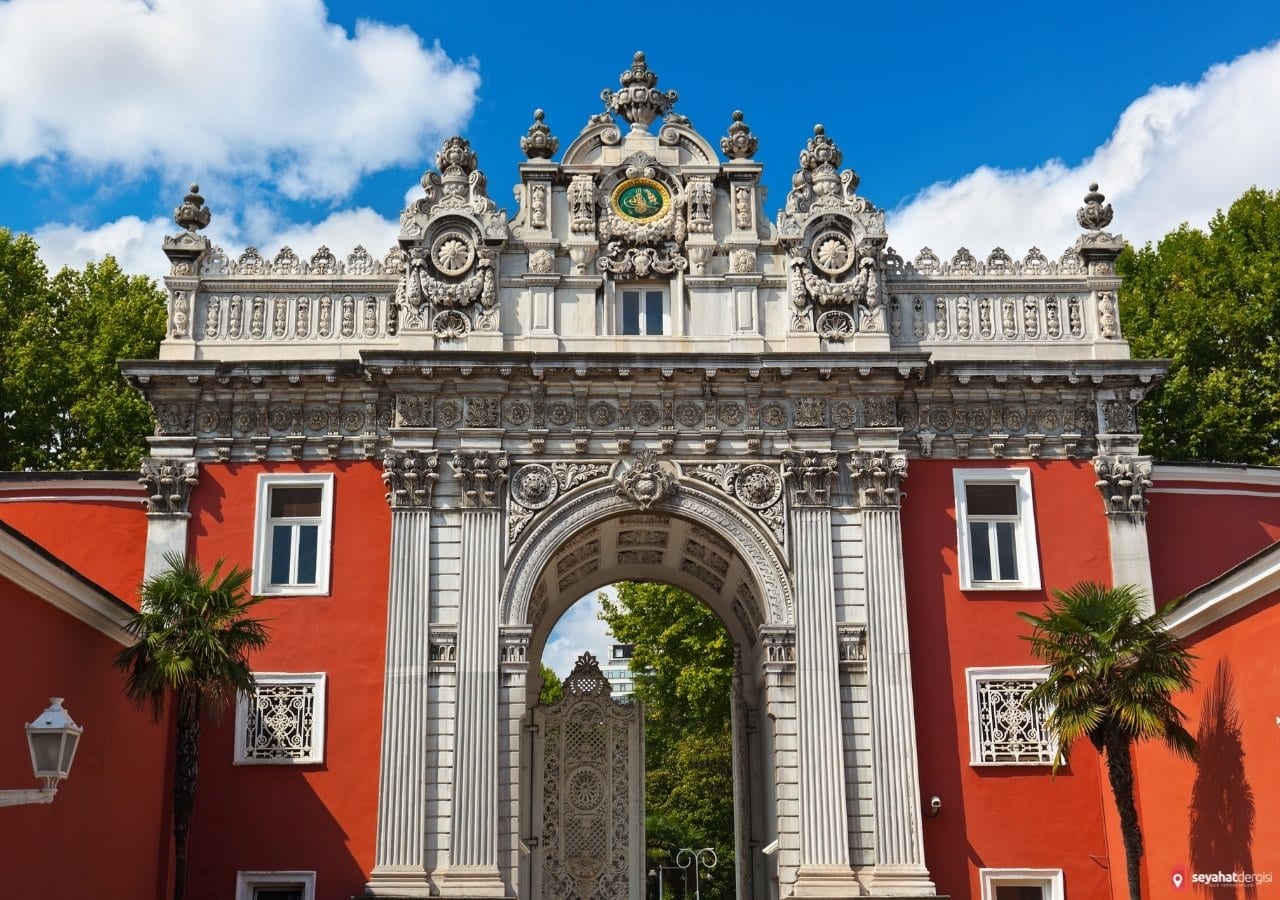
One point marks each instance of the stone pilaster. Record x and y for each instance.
(899, 843)
(1123, 480)
(824, 869)
(473, 855)
(168, 483)
(399, 860)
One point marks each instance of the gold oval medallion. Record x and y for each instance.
(641, 200)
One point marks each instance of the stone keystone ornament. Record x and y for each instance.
(646, 482)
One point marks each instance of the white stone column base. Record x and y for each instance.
(901, 881)
(398, 881)
(826, 883)
(483, 882)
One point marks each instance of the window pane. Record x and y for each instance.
(281, 546)
(992, 499)
(630, 312)
(308, 541)
(1018, 892)
(980, 547)
(295, 502)
(1006, 535)
(653, 312)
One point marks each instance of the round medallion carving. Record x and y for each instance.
(640, 200)
(448, 413)
(534, 486)
(560, 413)
(602, 414)
(773, 414)
(730, 413)
(450, 324)
(835, 325)
(688, 414)
(832, 253)
(518, 413)
(585, 789)
(758, 486)
(452, 253)
(646, 414)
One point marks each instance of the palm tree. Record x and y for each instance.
(1111, 676)
(193, 635)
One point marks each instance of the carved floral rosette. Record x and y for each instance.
(535, 487)
(756, 486)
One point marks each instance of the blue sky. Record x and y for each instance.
(309, 123)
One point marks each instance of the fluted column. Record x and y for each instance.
(399, 856)
(824, 826)
(473, 855)
(168, 483)
(899, 841)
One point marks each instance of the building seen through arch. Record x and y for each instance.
(428, 453)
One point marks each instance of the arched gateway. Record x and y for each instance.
(640, 377)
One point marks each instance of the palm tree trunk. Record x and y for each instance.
(185, 774)
(1120, 774)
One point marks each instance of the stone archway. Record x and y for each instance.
(691, 539)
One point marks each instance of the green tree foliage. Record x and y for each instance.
(552, 689)
(194, 634)
(683, 666)
(1112, 676)
(1210, 302)
(63, 401)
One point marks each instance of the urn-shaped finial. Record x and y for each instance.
(1094, 215)
(539, 143)
(192, 215)
(739, 143)
(639, 101)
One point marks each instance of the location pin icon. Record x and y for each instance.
(1177, 880)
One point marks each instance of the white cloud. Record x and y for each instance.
(271, 91)
(134, 243)
(579, 630)
(1177, 154)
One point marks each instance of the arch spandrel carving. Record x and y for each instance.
(600, 502)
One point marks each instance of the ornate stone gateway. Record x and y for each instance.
(640, 376)
(587, 753)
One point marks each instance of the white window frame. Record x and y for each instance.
(621, 289)
(319, 682)
(247, 882)
(976, 675)
(1048, 880)
(1025, 540)
(262, 535)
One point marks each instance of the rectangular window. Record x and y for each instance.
(1005, 729)
(644, 311)
(282, 721)
(1021, 884)
(295, 524)
(294, 885)
(995, 519)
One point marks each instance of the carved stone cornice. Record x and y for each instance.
(1123, 482)
(877, 476)
(168, 483)
(410, 477)
(482, 474)
(808, 475)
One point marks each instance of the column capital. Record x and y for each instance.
(410, 477)
(482, 473)
(169, 483)
(808, 475)
(878, 476)
(1123, 482)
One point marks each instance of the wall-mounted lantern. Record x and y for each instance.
(53, 739)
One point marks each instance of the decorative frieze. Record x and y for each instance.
(168, 483)
(410, 477)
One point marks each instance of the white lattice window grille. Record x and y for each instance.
(1005, 729)
(282, 721)
(643, 310)
(996, 529)
(279, 885)
(293, 534)
(1021, 884)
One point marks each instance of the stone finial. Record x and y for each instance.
(192, 215)
(739, 143)
(1094, 216)
(456, 157)
(639, 101)
(539, 143)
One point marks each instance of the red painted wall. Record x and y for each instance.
(317, 817)
(104, 540)
(1198, 530)
(998, 816)
(1217, 814)
(104, 836)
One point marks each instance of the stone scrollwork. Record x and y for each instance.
(648, 481)
(878, 476)
(482, 473)
(756, 486)
(808, 476)
(535, 486)
(168, 483)
(410, 477)
(1123, 482)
